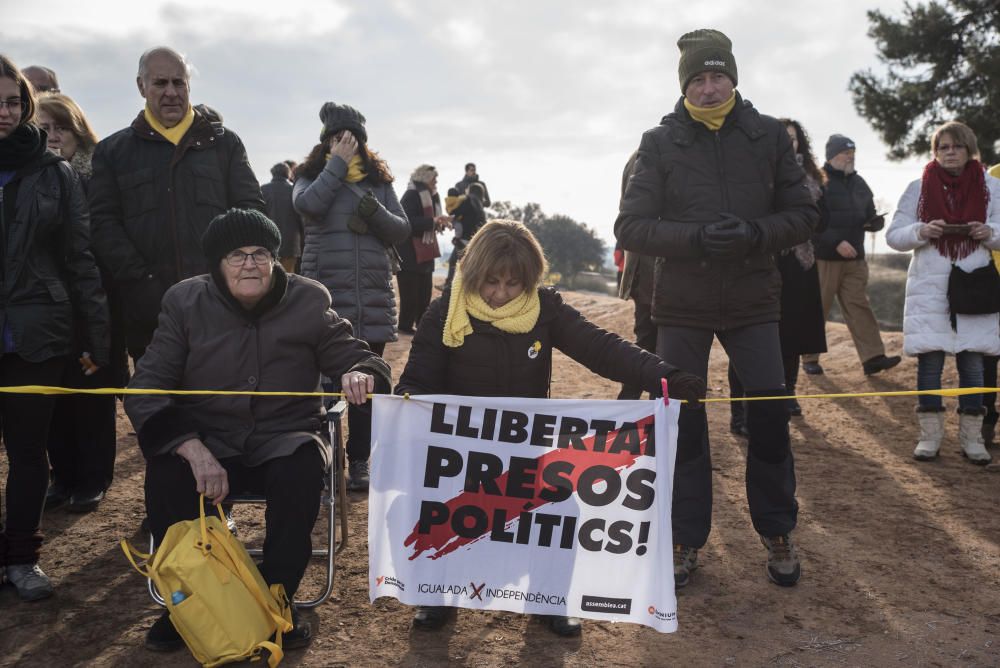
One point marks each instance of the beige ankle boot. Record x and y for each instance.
(970, 436)
(931, 433)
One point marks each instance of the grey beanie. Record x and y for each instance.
(338, 117)
(237, 228)
(705, 50)
(837, 144)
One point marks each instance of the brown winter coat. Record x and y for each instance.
(686, 177)
(206, 341)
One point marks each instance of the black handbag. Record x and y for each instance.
(975, 292)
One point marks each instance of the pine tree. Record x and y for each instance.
(943, 63)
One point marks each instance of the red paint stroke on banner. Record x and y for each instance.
(444, 541)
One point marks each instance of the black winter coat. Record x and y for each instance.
(278, 205)
(492, 363)
(686, 177)
(419, 223)
(847, 206)
(151, 202)
(48, 270)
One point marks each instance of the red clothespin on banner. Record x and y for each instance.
(666, 395)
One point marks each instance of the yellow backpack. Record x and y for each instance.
(218, 601)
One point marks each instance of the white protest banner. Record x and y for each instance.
(545, 506)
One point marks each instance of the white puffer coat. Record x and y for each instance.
(926, 320)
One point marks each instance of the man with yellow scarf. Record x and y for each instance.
(155, 187)
(715, 192)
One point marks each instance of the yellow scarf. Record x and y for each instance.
(518, 316)
(174, 134)
(355, 170)
(711, 117)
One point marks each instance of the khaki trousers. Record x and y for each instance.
(848, 281)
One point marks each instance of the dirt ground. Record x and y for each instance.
(901, 560)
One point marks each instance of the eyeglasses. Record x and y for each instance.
(238, 258)
(12, 103)
(944, 148)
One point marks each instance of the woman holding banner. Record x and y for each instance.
(949, 218)
(492, 333)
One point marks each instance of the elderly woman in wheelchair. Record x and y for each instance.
(245, 326)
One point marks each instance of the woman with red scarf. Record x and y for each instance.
(949, 218)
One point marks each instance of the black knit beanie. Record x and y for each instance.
(338, 117)
(837, 144)
(237, 228)
(705, 50)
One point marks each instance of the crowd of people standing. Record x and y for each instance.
(157, 244)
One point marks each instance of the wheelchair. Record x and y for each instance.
(334, 497)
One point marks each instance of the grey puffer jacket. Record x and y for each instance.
(354, 267)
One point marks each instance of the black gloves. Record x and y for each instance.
(729, 239)
(368, 205)
(686, 386)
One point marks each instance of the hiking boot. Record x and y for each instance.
(685, 561)
(430, 617)
(738, 419)
(970, 437)
(880, 363)
(162, 636)
(782, 560)
(31, 582)
(567, 627)
(300, 635)
(794, 409)
(931, 433)
(812, 368)
(359, 477)
(56, 495)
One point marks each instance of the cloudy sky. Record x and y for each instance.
(548, 98)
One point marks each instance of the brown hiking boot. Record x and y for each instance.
(685, 561)
(782, 560)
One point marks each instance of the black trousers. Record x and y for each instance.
(770, 472)
(736, 389)
(645, 338)
(82, 439)
(415, 288)
(24, 426)
(359, 420)
(292, 486)
(990, 380)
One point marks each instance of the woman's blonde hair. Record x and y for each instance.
(960, 133)
(67, 113)
(503, 247)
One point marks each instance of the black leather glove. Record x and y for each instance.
(357, 225)
(729, 239)
(875, 223)
(686, 386)
(368, 205)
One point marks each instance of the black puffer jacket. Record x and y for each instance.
(492, 363)
(847, 206)
(278, 200)
(686, 177)
(151, 202)
(48, 271)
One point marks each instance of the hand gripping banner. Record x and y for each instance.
(553, 507)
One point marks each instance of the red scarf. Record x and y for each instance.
(955, 200)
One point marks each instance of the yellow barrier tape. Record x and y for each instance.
(48, 389)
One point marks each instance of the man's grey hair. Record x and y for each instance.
(144, 59)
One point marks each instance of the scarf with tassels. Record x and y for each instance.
(711, 117)
(518, 316)
(175, 134)
(955, 200)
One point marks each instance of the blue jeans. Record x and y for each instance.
(970, 374)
